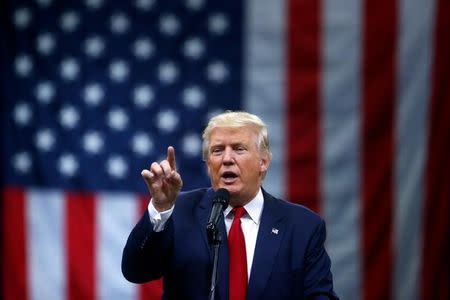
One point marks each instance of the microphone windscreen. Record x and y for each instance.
(222, 194)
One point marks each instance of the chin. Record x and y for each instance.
(224, 186)
(234, 188)
(230, 188)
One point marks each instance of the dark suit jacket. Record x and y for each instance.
(289, 262)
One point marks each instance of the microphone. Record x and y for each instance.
(220, 202)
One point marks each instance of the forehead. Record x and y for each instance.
(222, 135)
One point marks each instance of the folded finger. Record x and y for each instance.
(157, 170)
(175, 179)
(166, 168)
(147, 174)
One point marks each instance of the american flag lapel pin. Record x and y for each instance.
(274, 231)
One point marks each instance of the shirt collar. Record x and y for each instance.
(253, 208)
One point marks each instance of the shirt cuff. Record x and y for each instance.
(158, 219)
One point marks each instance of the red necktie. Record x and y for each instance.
(238, 257)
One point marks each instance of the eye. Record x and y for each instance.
(216, 151)
(240, 149)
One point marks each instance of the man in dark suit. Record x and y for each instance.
(275, 249)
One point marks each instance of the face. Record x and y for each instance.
(235, 163)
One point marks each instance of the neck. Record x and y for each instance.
(242, 200)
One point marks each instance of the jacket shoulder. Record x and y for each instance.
(296, 212)
(191, 198)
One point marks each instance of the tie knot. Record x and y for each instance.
(238, 212)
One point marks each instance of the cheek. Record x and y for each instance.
(251, 169)
(213, 168)
(208, 167)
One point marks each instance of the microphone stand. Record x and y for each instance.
(214, 240)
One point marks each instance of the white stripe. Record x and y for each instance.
(46, 245)
(415, 43)
(340, 147)
(265, 80)
(116, 216)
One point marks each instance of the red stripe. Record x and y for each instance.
(151, 290)
(436, 243)
(303, 107)
(14, 259)
(378, 92)
(80, 239)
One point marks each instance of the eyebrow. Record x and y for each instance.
(232, 144)
(221, 145)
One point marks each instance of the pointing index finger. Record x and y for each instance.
(171, 158)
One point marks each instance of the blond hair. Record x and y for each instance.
(237, 119)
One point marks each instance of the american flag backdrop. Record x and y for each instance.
(356, 95)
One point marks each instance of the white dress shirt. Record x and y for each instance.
(249, 223)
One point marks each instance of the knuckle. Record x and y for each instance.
(156, 169)
(165, 165)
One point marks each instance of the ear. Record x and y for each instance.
(208, 168)
(264, 164)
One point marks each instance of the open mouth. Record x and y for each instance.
(229, 175)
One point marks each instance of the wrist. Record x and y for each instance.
(161, 207)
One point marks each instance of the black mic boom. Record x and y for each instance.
(219, 203)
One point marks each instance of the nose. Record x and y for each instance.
(228, 156)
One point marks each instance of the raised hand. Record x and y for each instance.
(163, 181)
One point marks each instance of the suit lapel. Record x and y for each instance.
(202, 214)
(270, 234)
